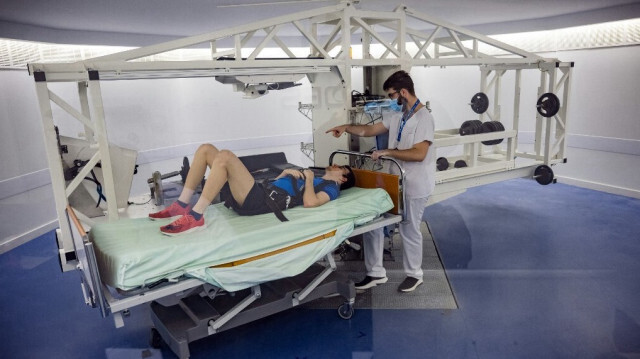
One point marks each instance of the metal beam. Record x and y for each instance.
(198, 39)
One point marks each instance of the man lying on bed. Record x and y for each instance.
(229, 177)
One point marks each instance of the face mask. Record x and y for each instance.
(395, 106)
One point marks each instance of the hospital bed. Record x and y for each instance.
(239, 269)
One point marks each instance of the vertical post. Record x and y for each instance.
(539, 120)
(213, 48)
(551, 123)
(474, 149)
(346, 55)
(402, 42)
(103, 144)
(496, 94)
(483, 86)
(54, 159)
(238, 47)
(314, 32)
(564, 110)
(84, 108)
(512, 144)
(366, 45)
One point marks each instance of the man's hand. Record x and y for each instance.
(375, 155)
(338, 130)
(291, 172)
(308, 174)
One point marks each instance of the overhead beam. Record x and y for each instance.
(198, 39)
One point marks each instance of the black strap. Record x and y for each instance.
(273, 206)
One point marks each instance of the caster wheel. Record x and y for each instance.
(155, 340)
(345, 311)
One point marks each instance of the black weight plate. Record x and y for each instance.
(492, 126)
(465, 129)
(498, 128)
(477, 126)
(184, 171)
(460, 164)
(548, 104)
(442, 164)
(543, 174)
(486, 128)
(479, 103)
(470, 127)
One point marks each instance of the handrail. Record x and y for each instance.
(353, 153)
(76, 221)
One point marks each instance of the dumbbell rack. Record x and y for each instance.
(485, 164)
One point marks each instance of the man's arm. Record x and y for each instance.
(310, 198)
(359, 130)
(417, 153)
(290, 172)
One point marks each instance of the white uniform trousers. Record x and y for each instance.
(411, 243)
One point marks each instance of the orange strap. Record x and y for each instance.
(277, 251)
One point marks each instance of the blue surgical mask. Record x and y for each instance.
(394, 106)
(378, 106)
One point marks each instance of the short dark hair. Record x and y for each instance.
(351, 179)
(399, 80)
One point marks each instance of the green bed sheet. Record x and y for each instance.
(132, 252)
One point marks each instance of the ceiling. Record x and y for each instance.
(145, 22)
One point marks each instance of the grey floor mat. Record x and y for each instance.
(435, 293)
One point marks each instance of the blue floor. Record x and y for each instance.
(538, 272)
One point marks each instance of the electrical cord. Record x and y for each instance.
(139, 204)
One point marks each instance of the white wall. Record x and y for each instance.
(159, 118)
(168, 118)
(21, 140)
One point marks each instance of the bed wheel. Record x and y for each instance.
(345, 311)
(155, 340)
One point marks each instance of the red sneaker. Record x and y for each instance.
(173, 210)
(182, 225)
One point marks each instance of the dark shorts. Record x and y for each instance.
(254, 204)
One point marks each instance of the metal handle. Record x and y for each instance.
(385, 158)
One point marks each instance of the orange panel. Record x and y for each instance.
(388, 182)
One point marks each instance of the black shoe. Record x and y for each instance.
(409, 284)
(369, 282)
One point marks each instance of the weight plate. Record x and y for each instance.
(460, 164)
(543, 174)
(465, 129)
(548, 104)
(184, 171)
(470, 128)
(477, 126)
(479, 103)
(492, 126)
(442, 164)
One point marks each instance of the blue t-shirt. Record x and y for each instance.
(330, 188)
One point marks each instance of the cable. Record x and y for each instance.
(139, 204)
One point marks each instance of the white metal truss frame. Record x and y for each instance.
(408, 38)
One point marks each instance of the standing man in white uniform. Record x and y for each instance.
(411, 133)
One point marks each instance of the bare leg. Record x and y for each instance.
(225, 167)
(204, 157)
